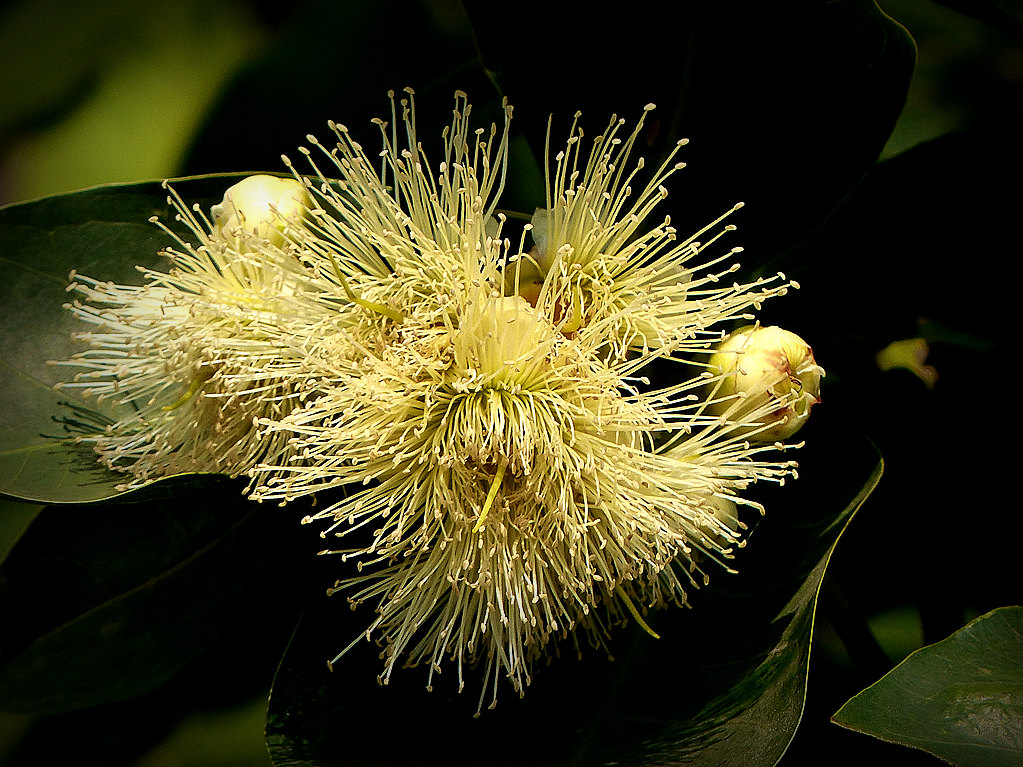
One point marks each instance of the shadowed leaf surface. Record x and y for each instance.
(960, 699)
(104, 233)
(107, 602)
(786, 104)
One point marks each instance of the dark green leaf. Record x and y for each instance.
(883, 269)
(786, 104)
(960, 699)
(15, 518)
(724, 684)
(104, 233)
(1004, 14)
(106, 602)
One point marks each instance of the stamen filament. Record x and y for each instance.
(634, 612)
(502, 466)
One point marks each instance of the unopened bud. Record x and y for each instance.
(499, 335)
(259, 207)
(770, 381)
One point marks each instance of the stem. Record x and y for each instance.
(386, 311)
(635, 613)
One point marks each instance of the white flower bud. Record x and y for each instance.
(501, 334)
(770, 380)
(260, 207)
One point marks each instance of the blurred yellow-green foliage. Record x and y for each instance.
(110, 91)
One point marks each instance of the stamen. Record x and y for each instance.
(502, 466)
(193, 388)
(634, 612)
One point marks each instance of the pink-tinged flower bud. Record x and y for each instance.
(259, 207)
(769, 381)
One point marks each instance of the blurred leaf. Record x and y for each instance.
(103, 232)
(232, 738)
(898, 632)
(725, 684)
(134, 82)
(48, 56)
(960, 699)
(1005, 14)
(107, 602)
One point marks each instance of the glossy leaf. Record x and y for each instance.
(960, 699)
(104, 233)
(725, 684)
(106, 602)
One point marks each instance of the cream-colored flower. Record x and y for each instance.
(198, 353)
(510, 476)
(604, 268)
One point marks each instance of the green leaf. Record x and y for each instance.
(1003, 14)
(104, 233)
(960, 699)
(786, 104)
(14, 521)
(724, 685)
(106, 602)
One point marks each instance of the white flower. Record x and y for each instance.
(511, 477)
(196, 354)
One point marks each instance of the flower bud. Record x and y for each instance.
(769, 381)
(260, 207)
(501, 337)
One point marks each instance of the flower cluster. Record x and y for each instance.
(369, 324)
